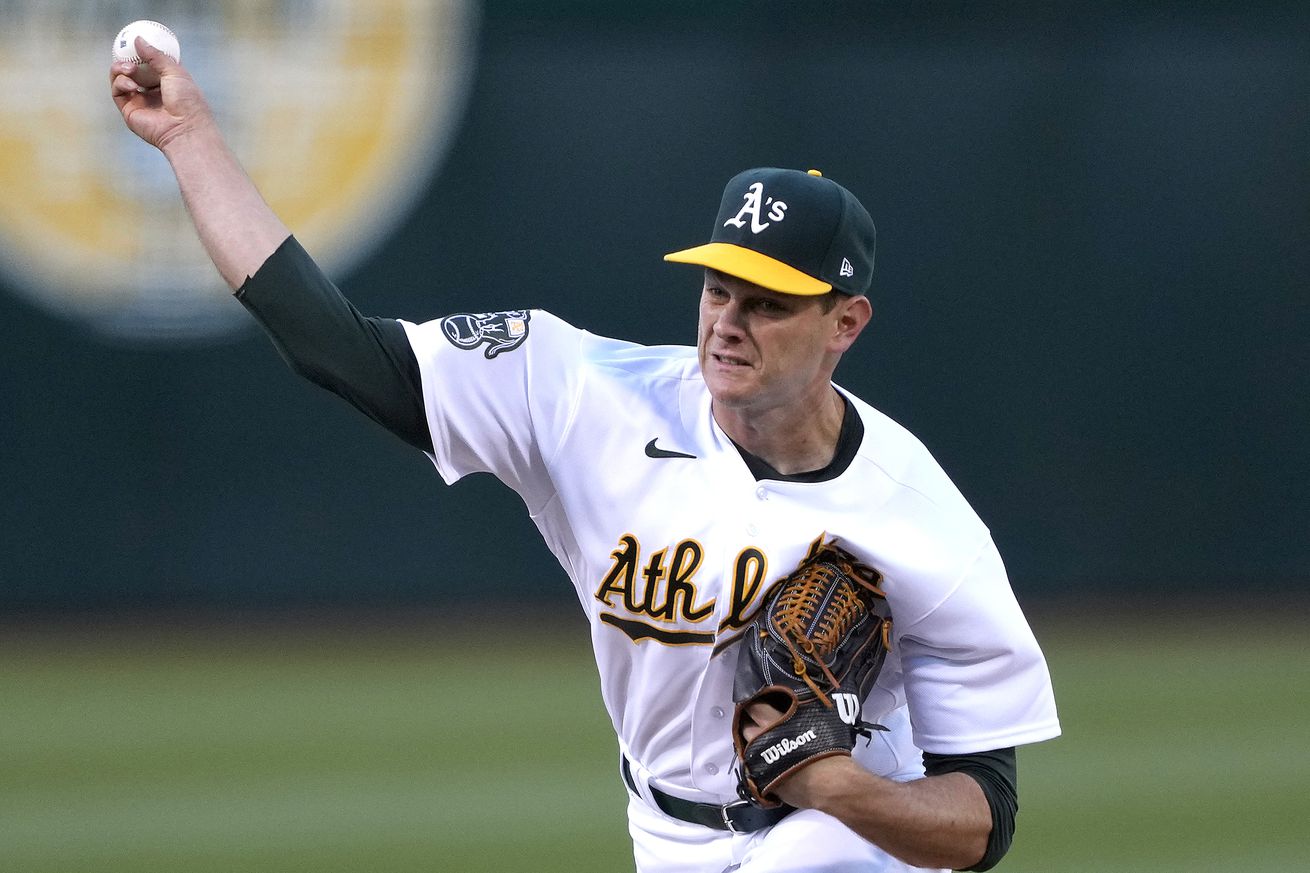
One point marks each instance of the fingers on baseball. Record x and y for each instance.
(122, 77)
(147, 74)
(145, 51)
(156, 58)
(122, 84)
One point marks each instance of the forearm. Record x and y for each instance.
(367, 361)
(237, 228)
(938, 821)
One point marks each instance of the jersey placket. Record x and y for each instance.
(748, 522)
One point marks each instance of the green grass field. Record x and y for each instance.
(425, 748)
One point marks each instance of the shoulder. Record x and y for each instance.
(917, 527)
(543, 335)
(491, 333)
(906, 468)
(624, 362)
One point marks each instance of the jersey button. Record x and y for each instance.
(762, 493)
(717, 712)
(752, 529)
(712, 769)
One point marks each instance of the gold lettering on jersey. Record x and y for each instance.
(748, 573)
(653, 575)
(622, 576)
(664, 590)
(748, 591)
(681, 593)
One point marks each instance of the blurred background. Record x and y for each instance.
(234, 614)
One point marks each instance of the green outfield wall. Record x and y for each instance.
(1091, 297)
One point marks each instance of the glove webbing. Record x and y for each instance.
(796, 610)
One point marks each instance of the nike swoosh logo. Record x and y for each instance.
(653, 452)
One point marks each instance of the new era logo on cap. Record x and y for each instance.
(789, 231)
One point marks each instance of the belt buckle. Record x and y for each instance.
(727, 819)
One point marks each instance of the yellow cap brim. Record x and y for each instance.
(752, 266)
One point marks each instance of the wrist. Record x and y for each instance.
(822, 784)
(195, 135)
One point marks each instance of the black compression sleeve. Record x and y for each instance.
(321, 336)
(997, 773)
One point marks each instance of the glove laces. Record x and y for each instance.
(813, 617)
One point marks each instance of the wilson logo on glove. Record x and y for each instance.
(774, 752)
(848, 708)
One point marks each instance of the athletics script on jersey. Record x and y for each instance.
(662, 587)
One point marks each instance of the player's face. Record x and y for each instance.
(760, 349)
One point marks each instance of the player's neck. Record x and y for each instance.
(792, 439)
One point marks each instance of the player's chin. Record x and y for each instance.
(730, 390)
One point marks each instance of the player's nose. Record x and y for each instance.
(729, 321)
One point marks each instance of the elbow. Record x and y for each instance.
(304, 365)
(973, 855)
(305, 370)
(965, 853)
(986, 851)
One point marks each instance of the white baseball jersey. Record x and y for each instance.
(669, 541)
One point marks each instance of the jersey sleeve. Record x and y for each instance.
(975, 677)
(364, 360)
(500, 391)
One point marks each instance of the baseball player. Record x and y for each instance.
(674, 483)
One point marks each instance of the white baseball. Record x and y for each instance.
(154, 33)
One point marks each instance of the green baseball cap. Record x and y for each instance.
(789, 231)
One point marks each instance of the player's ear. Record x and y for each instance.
(851, 315)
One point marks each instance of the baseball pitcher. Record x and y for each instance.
(805, 637)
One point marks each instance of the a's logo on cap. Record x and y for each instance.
(846, 268)
(754, 205)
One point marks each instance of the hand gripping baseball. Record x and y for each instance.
(812, 653)
(159, 114)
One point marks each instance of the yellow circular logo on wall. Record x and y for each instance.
(340, 111)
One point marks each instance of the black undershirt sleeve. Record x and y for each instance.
(996, 772)
(367, 361)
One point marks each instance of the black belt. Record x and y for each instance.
(740, 817)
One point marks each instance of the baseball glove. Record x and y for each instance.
(813, 651)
